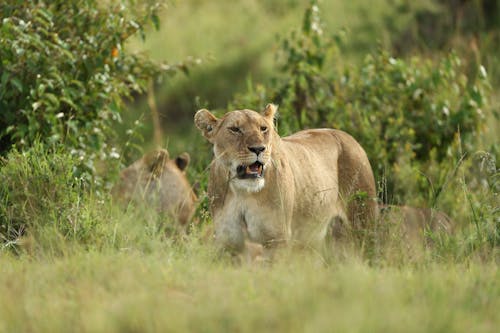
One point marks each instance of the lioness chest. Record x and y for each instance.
(301, 195)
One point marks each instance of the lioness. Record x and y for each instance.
(160, 182)
(416, 221)
(271, 190)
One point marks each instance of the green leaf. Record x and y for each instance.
(17, 83)
(156, 21)
(52, 99)
(70, 103)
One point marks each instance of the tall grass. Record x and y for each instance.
(83, 264)
(46, 209)
(179, 291)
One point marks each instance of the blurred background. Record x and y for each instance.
(236, 43)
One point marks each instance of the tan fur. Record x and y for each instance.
(310, 178)
(415, 222)
(159, 182)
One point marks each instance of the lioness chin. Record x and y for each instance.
(272, 190)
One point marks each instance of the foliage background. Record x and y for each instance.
(66, 73)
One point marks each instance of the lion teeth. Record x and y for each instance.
(254, 170)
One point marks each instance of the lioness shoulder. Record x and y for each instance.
(273, 190)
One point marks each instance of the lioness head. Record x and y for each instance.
(242, 142)
(159, 182)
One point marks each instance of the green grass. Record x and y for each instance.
(115, 271)
(182, 290)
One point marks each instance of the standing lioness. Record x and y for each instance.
(273, 189)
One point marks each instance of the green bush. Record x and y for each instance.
(38, 190)
(64, 73)
(399, 110)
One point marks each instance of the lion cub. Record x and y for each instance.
(160, 182)
(272, 190)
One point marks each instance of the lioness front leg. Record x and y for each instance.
(232, 235)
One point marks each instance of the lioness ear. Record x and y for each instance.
(155, 161)
(182, 161)
(270, 111)
(206, 122)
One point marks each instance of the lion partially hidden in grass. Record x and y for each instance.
(417, 224)
(271, 190)
(159, 182)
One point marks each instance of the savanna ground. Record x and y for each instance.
(80, 263)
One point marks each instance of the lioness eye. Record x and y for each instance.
(263, 128)
(234, 129)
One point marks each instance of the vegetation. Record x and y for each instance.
(70, 259)
(66, 83)
(172, 291)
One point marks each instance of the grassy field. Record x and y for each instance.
(180, 290)
(107, 270)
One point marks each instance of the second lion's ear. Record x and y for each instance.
(182, 161)
(206, 122)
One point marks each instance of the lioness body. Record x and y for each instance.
(159, 182)
(293, 187)
(416, 221)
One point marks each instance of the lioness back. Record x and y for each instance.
(271, 190)
(337, 166)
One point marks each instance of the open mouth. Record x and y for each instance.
(255, 170)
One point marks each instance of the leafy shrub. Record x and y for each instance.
(38, 190)
(64, 72)
(399, 110)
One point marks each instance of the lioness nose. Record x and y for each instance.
(257, 149)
